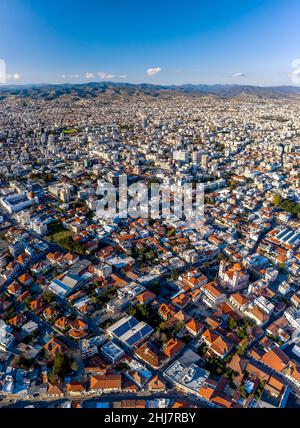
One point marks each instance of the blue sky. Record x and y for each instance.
(165, 42)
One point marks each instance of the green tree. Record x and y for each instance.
(59, 366)
(232, 324)
(277, 200)
(171, 232)
(202, 349)
(242, 347)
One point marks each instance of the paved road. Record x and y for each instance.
(90, 400)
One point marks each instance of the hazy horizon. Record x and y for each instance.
(20, 85)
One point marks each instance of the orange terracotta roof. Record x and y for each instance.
(172, 347)
(275, 359)
(105, 382)
(156, 384)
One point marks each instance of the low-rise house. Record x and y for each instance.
(257, 315)
(55, 346)
(280, 329)
(239, 301)
(148, 354)
(78, 329)
(55, 391)
(18, 320)
(156, 385)
(146, 297)
(24, 296)
(295, 300)
(194, 327)
(25, 280)
(292, 372)
(264, 304)
(37, 305)
(105, 383)
(213, 296)
(173, 347)
(181, 300)
(63, 323)
(15, 289)
(71, 258)
(75, 389)
(275, 387)
(49, 313)
(276, 359)
(54, 258)
(238, 365)
(166, 311)
(216, 343)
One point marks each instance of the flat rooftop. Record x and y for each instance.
(130, 331)
(112, 350)
(189, 376)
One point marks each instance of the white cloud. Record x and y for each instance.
(89, 75)
(15, 76)
(295, 74)
(3, 75)
(153, 71)
(105, 76)
(72, 76)
(239, 75)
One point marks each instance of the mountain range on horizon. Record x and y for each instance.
(93, 89)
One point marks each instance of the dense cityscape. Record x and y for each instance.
(119, 312)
